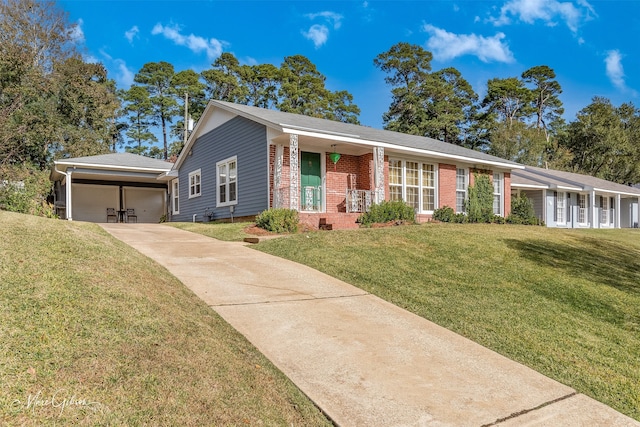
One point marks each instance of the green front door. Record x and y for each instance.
(310, 181)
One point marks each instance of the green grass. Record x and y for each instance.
(89, 323)
(231, 232)
(564, 302)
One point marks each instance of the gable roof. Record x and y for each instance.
(355, 134)
(568, 180)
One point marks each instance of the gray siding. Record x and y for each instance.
(536, 198)
(238, 137)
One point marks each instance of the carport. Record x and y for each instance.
(84, 187)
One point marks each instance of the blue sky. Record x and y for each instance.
(593, 46)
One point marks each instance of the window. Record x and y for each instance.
(604, 213)
(414, 183)
(395, 180)
(560, 207)
(428, 187)
(195, 189)
(461, 189)
(497, 193)
(175, 196)
(412, 187)
(227, 182)
(582, 208)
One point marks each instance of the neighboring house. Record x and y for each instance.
(241, 160)
(84, 187)
(571, 200)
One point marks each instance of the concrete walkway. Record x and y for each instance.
(363, 361)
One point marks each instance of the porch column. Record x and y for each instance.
(277, 177)
(294, 186)
(617, 220)
(378, 173)
(68, 202)
(594, 214)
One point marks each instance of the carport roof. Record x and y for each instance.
(114, 162)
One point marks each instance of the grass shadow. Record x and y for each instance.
(596, 259)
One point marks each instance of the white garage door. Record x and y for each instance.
(148, 203)
(90, 202)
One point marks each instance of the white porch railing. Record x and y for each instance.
(312, 199)
(359, 200)
(281, 197)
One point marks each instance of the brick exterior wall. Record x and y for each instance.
(446, 185)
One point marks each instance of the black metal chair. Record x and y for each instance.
(111, 213)
(131, 214)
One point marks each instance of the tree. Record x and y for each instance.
(450, 104)
(222, 81)
(600, 140)
(508, 99)
(186, 85)
(156, 77)
(302, 89)
(35, 36)
(139, 110)
(407, 67)
(261, 82)
(548, 107)
(86, 108)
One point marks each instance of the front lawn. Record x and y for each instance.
(94, 333)
(564, 302)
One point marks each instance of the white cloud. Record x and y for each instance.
(548, 11)
(196, 44)
(446, 46)
(132, 33)
(615, 70)
(76, 34)
(332, 18)
(318, 34)
(124, 76)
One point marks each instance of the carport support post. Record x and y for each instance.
(617, 225)
(68, 211)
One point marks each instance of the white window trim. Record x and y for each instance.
(175, 196)
(226, 162)
(500, 194)
(563, 195)
(466, 187)
(585, 215)
(403, 186)
(197, 173)
(605, 214)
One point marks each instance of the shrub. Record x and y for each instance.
(278, 220)
(25, 189)
(444, 214)
(388, 211)
(522, 212)
(479, 205)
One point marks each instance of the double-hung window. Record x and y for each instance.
(561, 201)
(414, 183)
(227, 192)
(195, 187)
(582, 209)
(462, 182)
(604, 215)
(428, 187)
(175, 196)
(497, 193)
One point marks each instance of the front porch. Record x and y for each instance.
(326, 189)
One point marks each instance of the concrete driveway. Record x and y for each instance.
(363, 361)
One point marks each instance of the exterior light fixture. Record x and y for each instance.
(334, 157)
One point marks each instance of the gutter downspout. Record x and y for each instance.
(67, 174)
